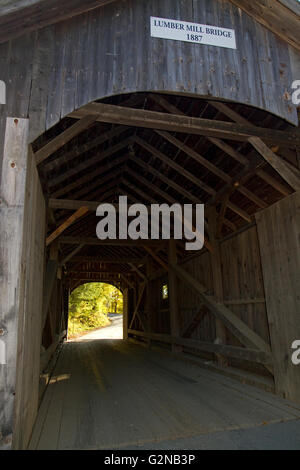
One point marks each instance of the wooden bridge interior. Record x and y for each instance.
(145, 146)
(97, 108)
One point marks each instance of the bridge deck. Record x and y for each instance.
(113, 395)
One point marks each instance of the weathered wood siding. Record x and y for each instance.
(200, 268)
(55, 321)
(243, 282)
(30, 322)
(243, 290)
(279, 237)
(12, 194)
(22, 235)
(53, 71)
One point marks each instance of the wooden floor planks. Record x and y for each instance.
(110, 394)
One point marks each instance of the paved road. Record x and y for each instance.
(110, 394)
(113, 331)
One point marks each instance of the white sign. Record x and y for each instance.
(192, 32)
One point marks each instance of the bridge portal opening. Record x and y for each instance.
(95, 312)
(213, 307)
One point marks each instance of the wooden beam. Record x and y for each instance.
(252, 355)
(95, 241)
(79, 213)
(50, 278)
(180, 189)
(46, 355)
(242, 331)
(156, 257)
(182, 171)
(88, 163)
(139, 272)
(279, 16)
(26, 16)
(185, 124)
(289, 173)
(194, 322)
(230, 151)
(72, 204)
(88, 178)
(273, 182)
(91, 189)
(221, 216)
(216, 267)
(195, 155)
(71, 255)
(170, 199)
(243, 214)
(108, 280)
(128, 282)
(100, 272)
(173, 294)
(63, 138)
(203, 161)
(78, 151)
(108, 260)
(135, 313)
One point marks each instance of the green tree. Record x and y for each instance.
(89, 305)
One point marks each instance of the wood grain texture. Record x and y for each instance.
(279, 234)
(58, 69)
(30, 15)
(12, 195)
(30, 318)
(280, 16)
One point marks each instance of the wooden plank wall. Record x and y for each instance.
(200, 268)
(55, 70)
(30, 322)
(243, 289)
(12, 195)
(279, 239)
(243, 282)
(55, 321)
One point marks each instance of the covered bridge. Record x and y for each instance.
(101, 104)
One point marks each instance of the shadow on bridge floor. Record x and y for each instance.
(110, 394)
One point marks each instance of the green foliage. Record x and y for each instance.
(89, 306)
(165, 291)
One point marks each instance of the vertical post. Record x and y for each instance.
(149, 297)
(12, 202)
(125, 312)
(216, 266)
(173, 295)
(278, 229)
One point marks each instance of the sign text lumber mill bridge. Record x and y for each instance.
(164, 101)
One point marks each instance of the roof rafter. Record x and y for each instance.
(185, 124)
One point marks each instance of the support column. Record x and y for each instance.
(12, 200)
(216, 266)
(125, 312)
(149, 297)
(278, 229)
(173, 295)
